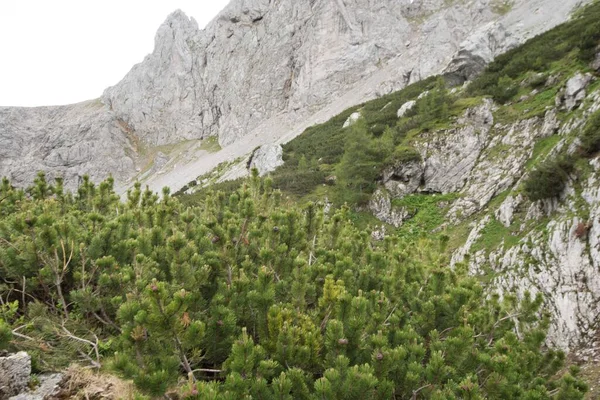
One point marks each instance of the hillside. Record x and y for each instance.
(506, 167)
(441, 241)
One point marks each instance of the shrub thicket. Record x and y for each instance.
(590, 138)
(549, 179)
(248, 297)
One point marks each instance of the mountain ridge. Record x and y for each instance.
(262, 72)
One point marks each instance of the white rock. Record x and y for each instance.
(267, 158)
(49, 385)
(381, 207)
(260, 72)
(352, 119)
(596, 63)
(425, 93)
(575, 90)
(507, 209)
(406, 107)
(450, 156)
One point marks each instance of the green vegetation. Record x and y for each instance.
(361, 164)
(502, 7)
(549, 178)
(246, 296)
(239, 291)
(578, 38)
(590, 138)
(494, 234)
(427, 212)
(211, 144)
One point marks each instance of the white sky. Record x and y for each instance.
(64, 51)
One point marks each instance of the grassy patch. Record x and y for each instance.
(541, 149)
(211, 144)
(502, 7)
(494, 234)
(428, 212)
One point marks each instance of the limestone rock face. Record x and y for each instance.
(14, 374)
(558, 259)
(478, 50)
(267, 158)
(157, 98)
(596, 63)
(450, 157)
(506, 211)
(67, 141)
(381, 207)
(261, 72)
(48, 388)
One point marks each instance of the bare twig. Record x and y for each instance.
(415, 392)
(94, 346)
(385, 323)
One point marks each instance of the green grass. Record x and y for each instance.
(502, 7)
(541, 149)
(428, 212)
(211, 144)
(494, 234)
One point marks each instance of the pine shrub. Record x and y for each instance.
(549, 179)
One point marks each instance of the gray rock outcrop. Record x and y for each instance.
(267, 158)
(558, 258)
(403, 178)
(596, 63)
(478, 50)
(15, 371)
(381, 207)
(352, 119)
(406, 107)
(48, 386)
(449, 158)
(574, 91)
(67, 141)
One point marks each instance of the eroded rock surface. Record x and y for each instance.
(450, 157)
(406, 107)
(404, 178)
(15, 371)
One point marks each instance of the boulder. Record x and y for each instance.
(49, 385)
(507, 209)
(381, 207)
(405, 108)
(574, 91)
(14, 374)
(267, 158)
(403, 178)
(596, 62)
(424, 94)
(352, 119)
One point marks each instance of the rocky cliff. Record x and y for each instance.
(476, 169)
(261, 72)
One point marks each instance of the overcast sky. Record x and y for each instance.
(64, 51)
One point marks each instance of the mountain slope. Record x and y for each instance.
(263, 71)
(507, 168)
